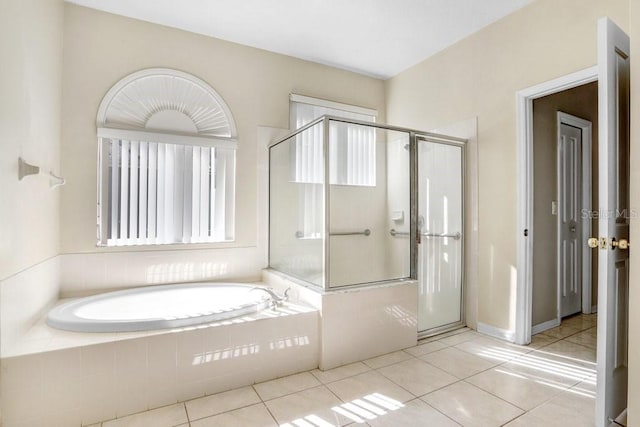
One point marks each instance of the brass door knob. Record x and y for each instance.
(592, 242)
(620, 244)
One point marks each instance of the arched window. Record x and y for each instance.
(166, 161)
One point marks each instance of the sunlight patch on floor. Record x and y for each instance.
(358, 410)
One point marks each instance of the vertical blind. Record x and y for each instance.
(163, 193)
(352, 159)
(352, 148)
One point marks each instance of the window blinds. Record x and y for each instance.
(352, 147)
(164, 193)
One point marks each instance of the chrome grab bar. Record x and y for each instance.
(365, 232)
(454, 236)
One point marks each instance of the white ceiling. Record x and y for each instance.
(375, 37)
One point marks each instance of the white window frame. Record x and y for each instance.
(219, 134)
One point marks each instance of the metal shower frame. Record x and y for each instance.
(414, 137)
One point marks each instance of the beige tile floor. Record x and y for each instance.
(461, 378)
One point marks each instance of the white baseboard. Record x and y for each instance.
(541, 327)
(503, 334)
(594, 309)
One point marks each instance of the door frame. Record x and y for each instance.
(524, 167)
(586, 209)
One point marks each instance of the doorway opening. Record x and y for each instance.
(526, 202)
(564, 192)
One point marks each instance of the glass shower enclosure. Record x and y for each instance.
(338, 234)
(347, 204)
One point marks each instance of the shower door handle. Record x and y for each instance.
(454, 236)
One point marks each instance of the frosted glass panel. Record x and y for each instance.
(440, 224)
(296, 206)
(369, 196)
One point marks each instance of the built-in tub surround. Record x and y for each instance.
(85, 378)
(25, 297)
(360, 322)
(77, 378)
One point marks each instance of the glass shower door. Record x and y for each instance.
(440, 228)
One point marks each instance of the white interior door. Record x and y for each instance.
(569, 219)
(440, 227)
(613, 260)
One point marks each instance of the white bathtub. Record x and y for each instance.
(131, 372)
(158, 307)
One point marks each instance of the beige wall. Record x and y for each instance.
(30, 88)
(634, 278)
(101, 48)
(479, 76)
(581, 102)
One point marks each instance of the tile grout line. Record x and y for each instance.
(186, 411)
(514, 418)
(380, 373)
(411, 393)
(470, 384)
(223, 412)
(557, 394)
(264, 402)
(525, 411)
(570, 342)
(342, 400)
(570, 335)
(320, 383)
(491, 393)
(344, 378)
(469, 376)
(390, 364)
(562, 391)
(434, 408)
(576, 343)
